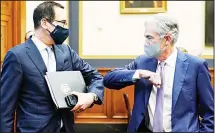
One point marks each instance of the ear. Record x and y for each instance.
(44, 23)
(168, 39)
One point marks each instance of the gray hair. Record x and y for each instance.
(166, 24)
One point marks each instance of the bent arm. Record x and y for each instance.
(120, 77)
(93, 79)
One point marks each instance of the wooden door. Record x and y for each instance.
(6, 27)
(12, 25)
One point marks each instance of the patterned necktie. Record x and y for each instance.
(158, 115)
(51, 65)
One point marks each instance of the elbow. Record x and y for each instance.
(115, 80)
(112, 85)
(107, 82)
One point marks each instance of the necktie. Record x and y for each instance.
(158, 115)
(51, 65)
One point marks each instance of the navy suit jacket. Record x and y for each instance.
(192, 94)
(24, 89)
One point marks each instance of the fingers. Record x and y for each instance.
(84, 101)
(158, 80)
(153, 77)
(78, 105)
(155, 80)
(144, 74)
(82, 108)
(158, 86)
(79, 108)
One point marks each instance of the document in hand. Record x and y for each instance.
(61, 83)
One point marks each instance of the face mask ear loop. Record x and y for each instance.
(51, 24)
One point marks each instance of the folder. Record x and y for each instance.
(61, 83)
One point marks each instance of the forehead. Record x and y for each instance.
(150, 28)
(60, 13)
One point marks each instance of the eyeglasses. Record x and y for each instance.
(61, 23)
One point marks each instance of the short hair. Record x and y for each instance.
(45, 10)
(166, 24)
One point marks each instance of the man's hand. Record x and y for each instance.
(84, 101)
(153, 77)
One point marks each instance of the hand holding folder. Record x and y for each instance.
(85, 101)
(61, 84)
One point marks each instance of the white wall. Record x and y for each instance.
(107, 32)
(30, 6)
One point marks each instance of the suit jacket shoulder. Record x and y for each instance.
(194, 59)
(18, 48)
(66, 49)
(143, 59)
(62, 47)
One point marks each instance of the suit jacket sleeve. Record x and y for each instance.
(11, 79)
(206, 99)
(92, 78)
(120, 77)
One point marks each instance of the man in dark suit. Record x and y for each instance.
(23, 86)
(172, 88)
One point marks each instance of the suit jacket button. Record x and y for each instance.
(142, 114)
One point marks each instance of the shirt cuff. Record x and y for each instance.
(136, 76)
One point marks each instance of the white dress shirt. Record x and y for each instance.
(42, 49)
(169, 71)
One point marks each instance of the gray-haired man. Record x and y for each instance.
(172, 88)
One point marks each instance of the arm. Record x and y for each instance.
(11, 78)
(206, 99)
(121, 77)
(92, 78)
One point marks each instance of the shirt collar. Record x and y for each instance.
(40, 45)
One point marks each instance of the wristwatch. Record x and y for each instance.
(95, 97)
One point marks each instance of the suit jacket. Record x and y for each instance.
(192, 94)
(24, 88)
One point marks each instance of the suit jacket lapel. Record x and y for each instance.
(59, 58)
(35, 57)
(179, 76)
(151, 66)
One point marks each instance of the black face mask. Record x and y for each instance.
(59, 34)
